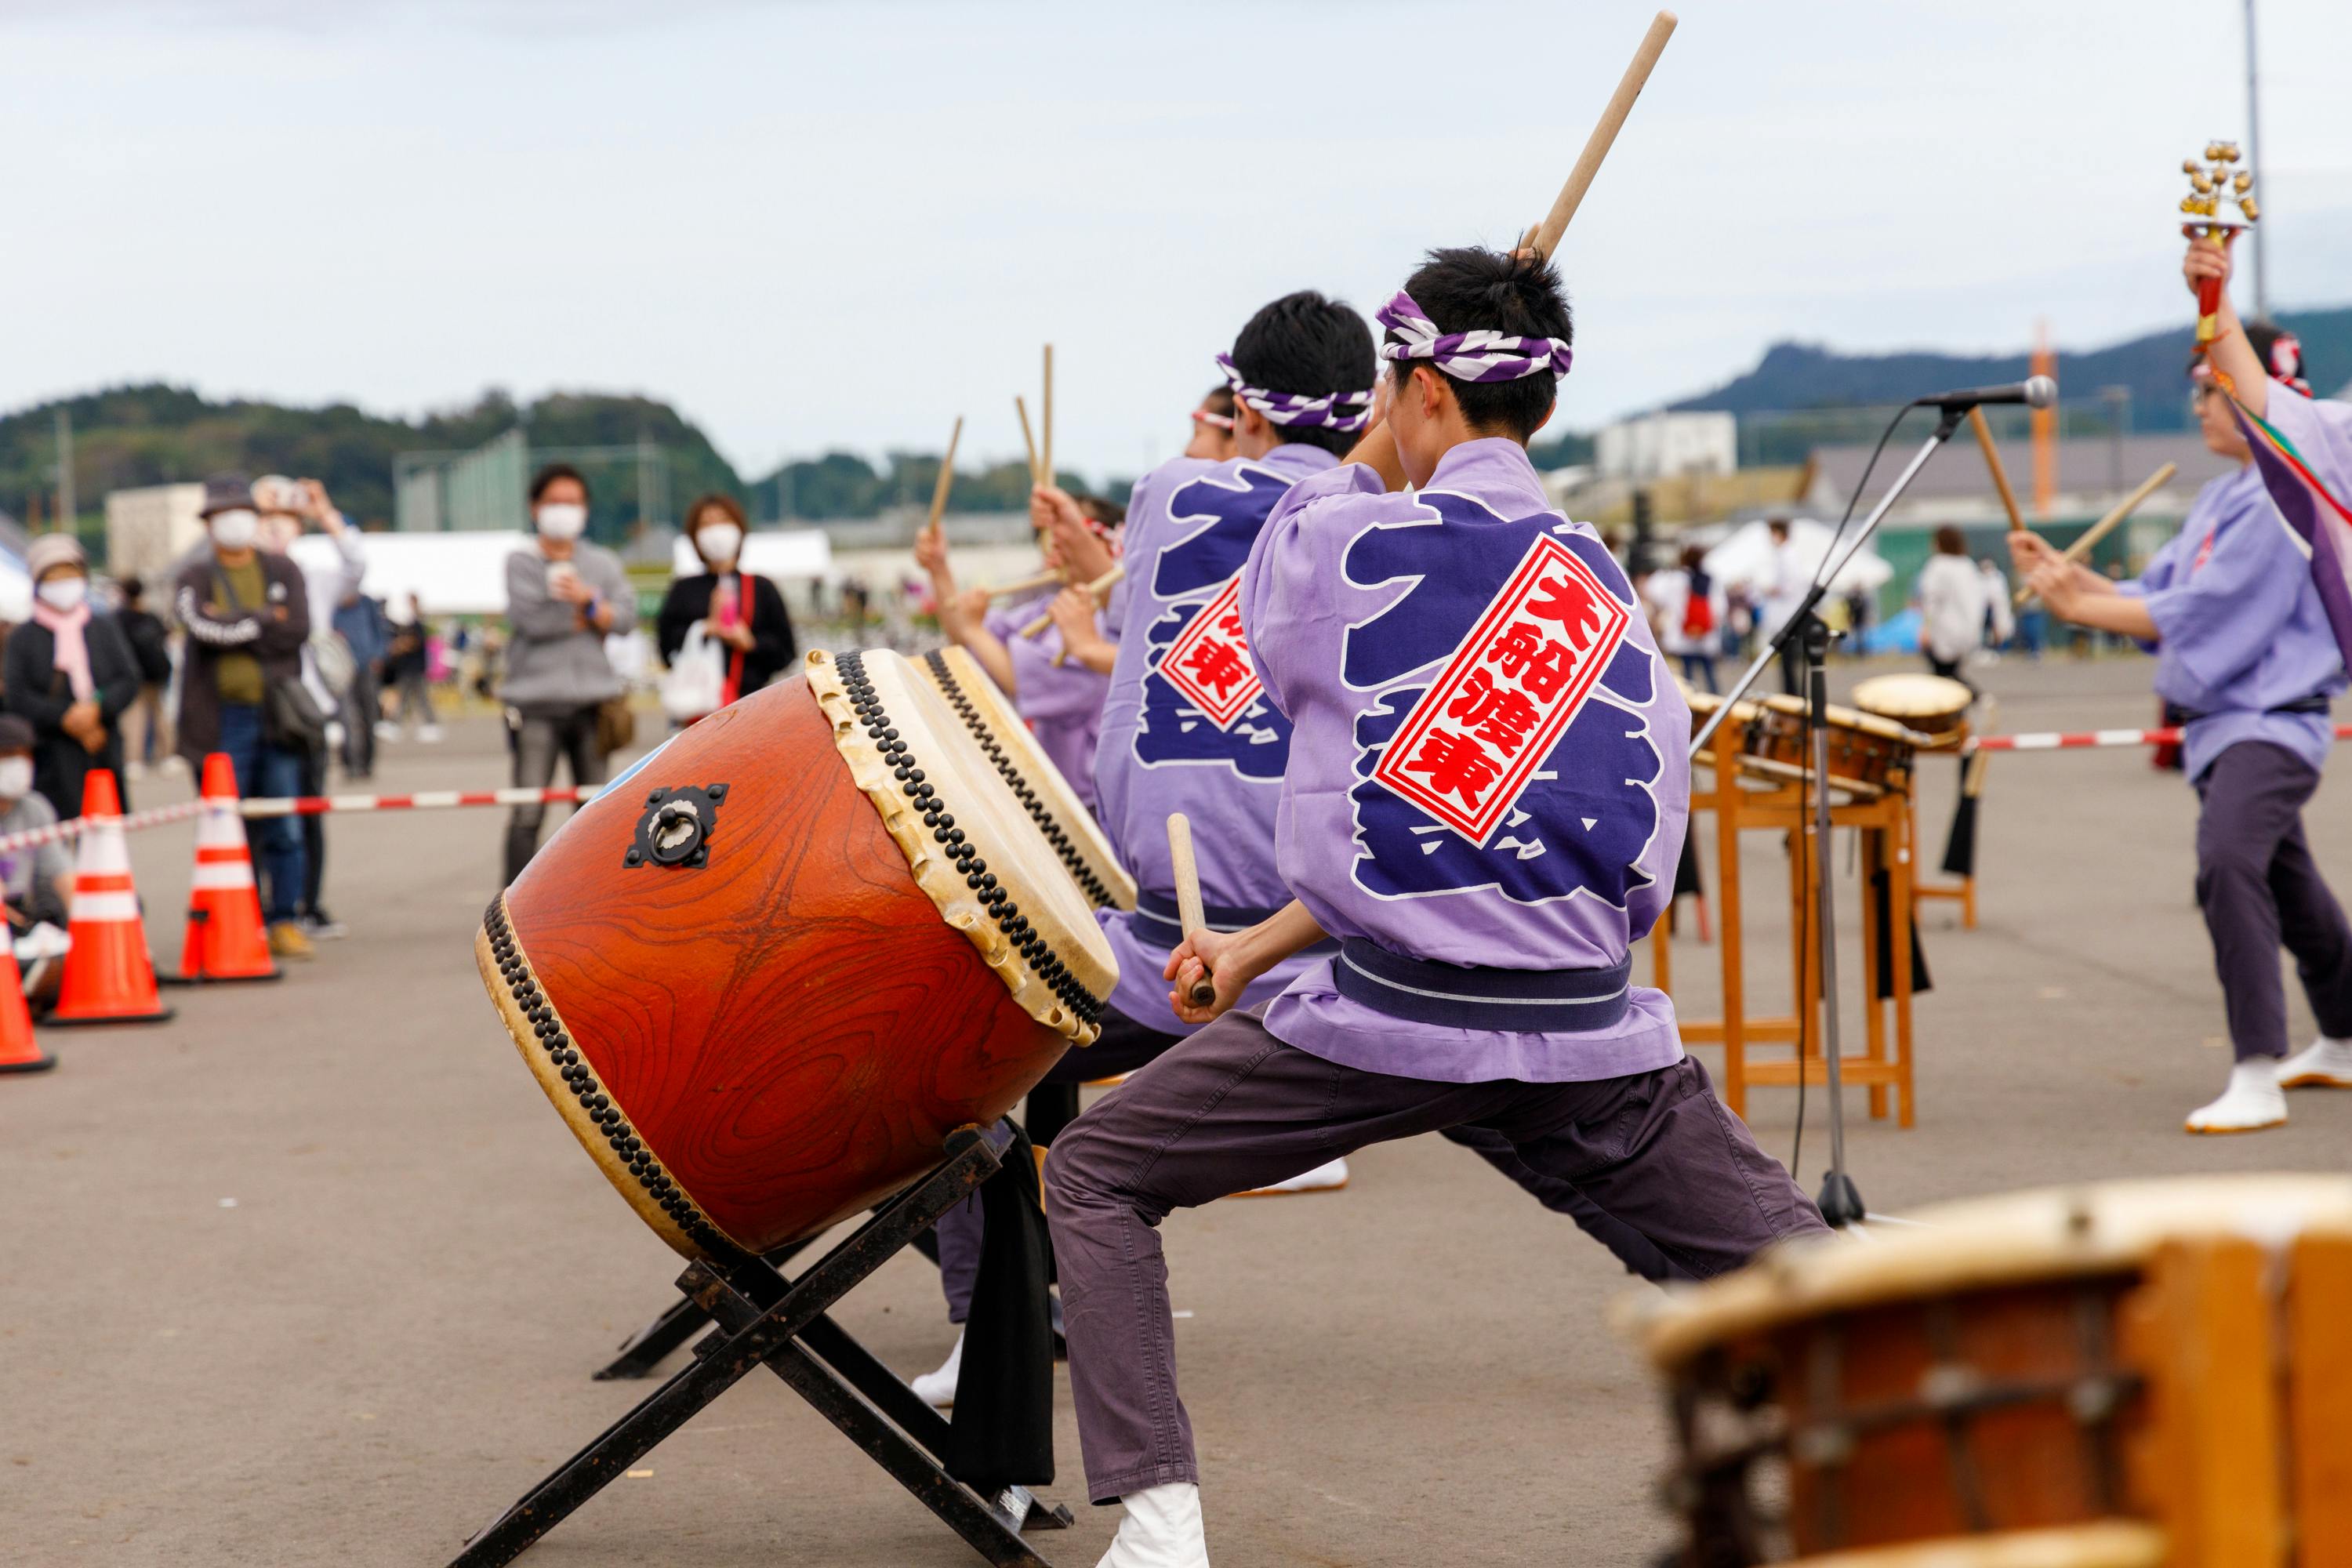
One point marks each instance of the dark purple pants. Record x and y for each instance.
(1233, 1107)
(2260, 889)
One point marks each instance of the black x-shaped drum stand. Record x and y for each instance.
(763, 1317)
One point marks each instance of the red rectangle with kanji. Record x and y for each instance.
(1467, 751)
(1209, 663)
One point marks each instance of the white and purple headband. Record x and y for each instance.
(1341, 410)
(1484, 354)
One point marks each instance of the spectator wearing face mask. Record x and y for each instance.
(744, 623)
(33, 881)
(69, 670)
(247, 616)
(563, 594)
(288, 506)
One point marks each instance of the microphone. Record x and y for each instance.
(2034, 392)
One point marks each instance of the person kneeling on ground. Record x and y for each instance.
(32, 880)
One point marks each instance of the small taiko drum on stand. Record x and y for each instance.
(768, 971)
(1032, 776)
(1868, 756)
(2133, 1374)
(1932, 706)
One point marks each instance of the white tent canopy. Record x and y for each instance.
(465, 573)
(780, 554)
(15, 590)
(1745, 556)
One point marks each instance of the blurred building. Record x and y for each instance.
(1667, 446)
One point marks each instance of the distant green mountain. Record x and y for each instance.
(1794, 377)
(131, 435)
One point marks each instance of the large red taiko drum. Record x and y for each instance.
(769, 970)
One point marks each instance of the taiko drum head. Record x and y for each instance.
(769, 970)
(1032, 776)
(1931, 704)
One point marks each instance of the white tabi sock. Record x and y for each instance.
(2253, 1101)
(1161, 1528)
(938, 1389)
(1328, 1177)
(2326, 1064)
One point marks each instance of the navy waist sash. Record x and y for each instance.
(2313, 704)
(1524, 1001)
(1157, 921)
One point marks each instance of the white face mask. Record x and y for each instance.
(65, 593)
(719, 542)
(16, 777)
(561, 520)
(236, 529)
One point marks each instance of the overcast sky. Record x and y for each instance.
(818, 226)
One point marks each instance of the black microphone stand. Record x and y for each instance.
(1841, 1201)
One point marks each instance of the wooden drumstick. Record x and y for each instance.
(2106, 525)
(1027, 440)
(2000, 475)
(1023, 584)
(1094, 589)
(1596, 146)
(1045, 435)
(947, 477)
(1188, 896)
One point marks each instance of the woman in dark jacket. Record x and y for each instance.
(70, 672)
(742, 617)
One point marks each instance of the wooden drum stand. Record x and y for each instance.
(1762, 793)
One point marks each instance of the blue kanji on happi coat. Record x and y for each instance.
(1584, 820)
(1225, 512)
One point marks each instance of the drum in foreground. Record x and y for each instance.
(1933, 705)
(1868, 755)
(769, 970)
(2135, 1375)
(1032, 776)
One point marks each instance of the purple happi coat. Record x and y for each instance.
(1490, 765)
(1063, 707)
(1193, 734)
(2243, 629)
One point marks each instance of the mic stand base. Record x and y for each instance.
(1840, 1203)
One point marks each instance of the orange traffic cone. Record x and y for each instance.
(19, 1052)
(109, 978)
(226, 939)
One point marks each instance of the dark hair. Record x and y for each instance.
(726, 503)
(1310, 346)
(1467, 288)
(552, 472)
(1108, 513)
(132, 590)
(1778, 525)
(1950, 541)
(1693, 558)
(2261, 337)
(1219, 401)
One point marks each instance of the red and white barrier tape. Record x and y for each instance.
(2082, 740)
(302, 806)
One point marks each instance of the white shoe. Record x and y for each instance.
(2326, 1064)
(1160, 1528)
(385, 730)
(938, 1389)
(430, 734)
(2252, 1101)
(1327, 1177)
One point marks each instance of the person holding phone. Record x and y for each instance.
(563, 594)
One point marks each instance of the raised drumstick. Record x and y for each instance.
(1022, 409)
(1188, 895)
(2106, 525)
(1045, 436)
(947, 477)
(1023, 584)
(1094, 589)
(1596, 146)
(2000, 475)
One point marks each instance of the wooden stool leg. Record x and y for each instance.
(1873, 1014)
(1662, 960)
(1735, 987)
(1899, 896)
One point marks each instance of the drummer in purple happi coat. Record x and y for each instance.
(1485, 800)
(1059, 698)
(2246, 651)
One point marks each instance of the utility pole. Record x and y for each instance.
(67, 514)
(2254, 161)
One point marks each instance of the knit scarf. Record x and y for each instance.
(72, 650)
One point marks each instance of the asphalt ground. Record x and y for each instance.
(313, 1273)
